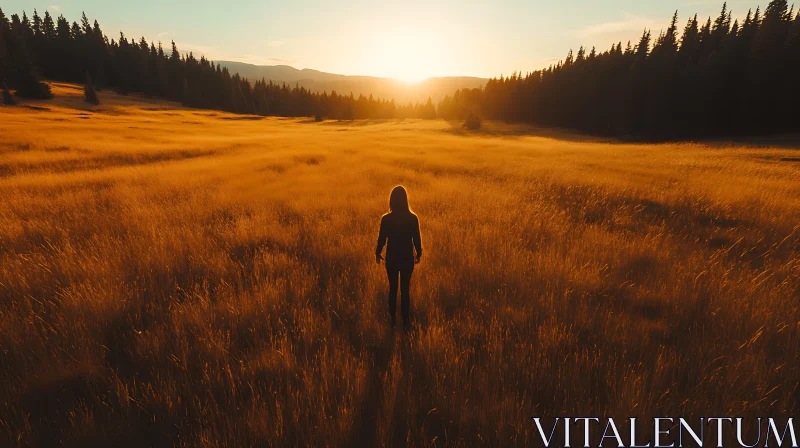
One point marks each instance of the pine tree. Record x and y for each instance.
(777, 11)
(22, 73)
(473, 122)
(581, 55)
(89, 93)
(669, 40)
(37, 24)
(76, 32)
(25, 29)
(48, 27)
(722, 24)
(348, 114)
(705, 33)
(690, 41)
(4, 64)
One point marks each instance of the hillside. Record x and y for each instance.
(317, 81)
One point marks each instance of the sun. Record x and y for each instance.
(408, 55)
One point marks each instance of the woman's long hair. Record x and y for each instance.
(398, 200)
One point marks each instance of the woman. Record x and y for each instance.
(401, 227)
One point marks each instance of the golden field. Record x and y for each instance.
(185, 277)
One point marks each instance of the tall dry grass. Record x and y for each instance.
(178, 277)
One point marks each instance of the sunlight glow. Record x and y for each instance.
(409, 55)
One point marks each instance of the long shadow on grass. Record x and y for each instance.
(368, 414)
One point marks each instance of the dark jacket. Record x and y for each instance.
(402, 231)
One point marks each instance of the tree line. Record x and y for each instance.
(718, 77)
(39, 47)
(721, 77)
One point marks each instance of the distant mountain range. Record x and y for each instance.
(387, 88)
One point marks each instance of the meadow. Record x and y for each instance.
(179, 277)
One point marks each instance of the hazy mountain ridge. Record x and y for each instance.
(388, 88)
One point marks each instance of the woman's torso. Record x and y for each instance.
(400, 229)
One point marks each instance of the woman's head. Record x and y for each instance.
(398, 200)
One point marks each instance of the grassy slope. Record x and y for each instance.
(193, 277)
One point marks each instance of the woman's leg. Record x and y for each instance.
(392, 273)
(405, 295)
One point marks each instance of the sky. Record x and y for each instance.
(409, 40)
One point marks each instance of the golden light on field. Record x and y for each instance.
(182, 277)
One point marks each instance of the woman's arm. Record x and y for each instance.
(381, 240)
(417, 240)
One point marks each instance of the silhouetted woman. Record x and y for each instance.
(401, 227)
